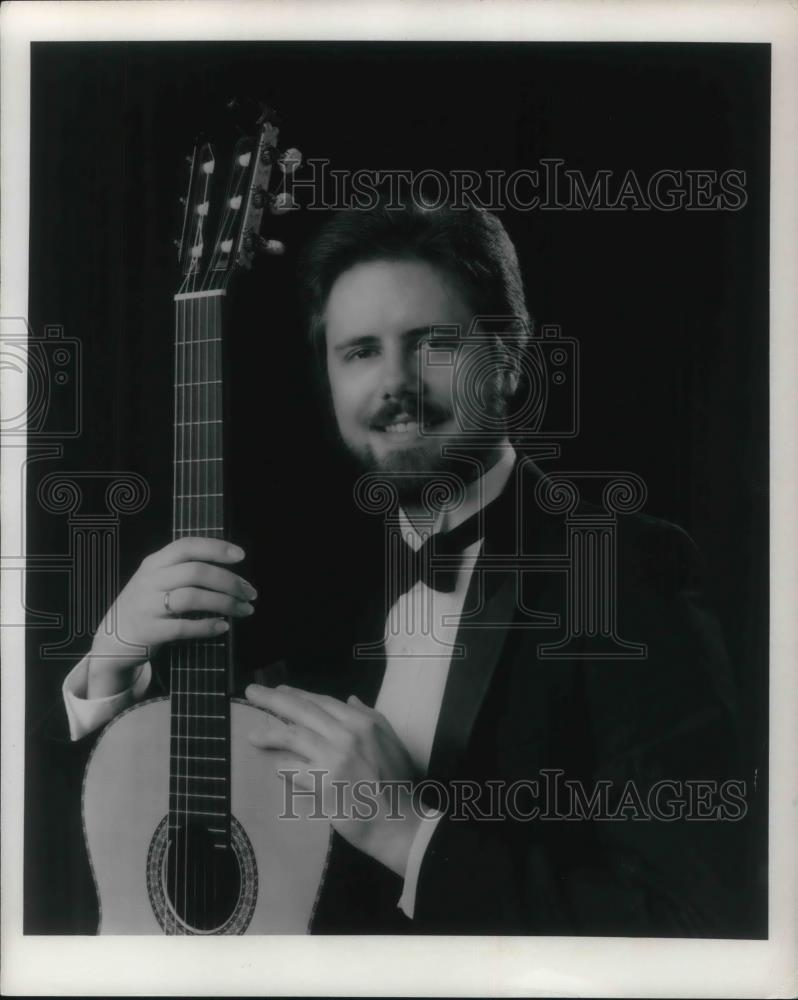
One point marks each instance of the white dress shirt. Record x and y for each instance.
(420, 631)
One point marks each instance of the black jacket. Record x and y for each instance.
(511, 714)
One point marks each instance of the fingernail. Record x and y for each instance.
(247, 609)
(235, 552)
(221, 626)
(249, 590)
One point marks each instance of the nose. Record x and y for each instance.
(399, 373)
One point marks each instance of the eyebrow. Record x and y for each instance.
(370, 339)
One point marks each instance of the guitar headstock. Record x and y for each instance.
(248, 197)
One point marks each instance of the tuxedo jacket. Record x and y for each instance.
(651, 702)
(511, 713)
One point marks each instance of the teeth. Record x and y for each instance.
(402, 427)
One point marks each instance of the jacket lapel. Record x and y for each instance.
(469, 677)
(494, 596)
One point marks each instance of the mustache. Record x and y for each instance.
(420, 412)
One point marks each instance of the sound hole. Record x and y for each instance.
(203, 880)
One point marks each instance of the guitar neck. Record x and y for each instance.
(200, 726)
(198, 417)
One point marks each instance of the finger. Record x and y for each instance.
(172, 629)
(297, 709)
(194, 548)
(187, 600)
(375, 717)
(296, 740)
(280, 760)
(347, 715)
(206, 576)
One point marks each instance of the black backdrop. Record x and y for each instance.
(670, 309)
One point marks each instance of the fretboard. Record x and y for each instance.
(200, 728)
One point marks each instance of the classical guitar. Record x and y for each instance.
(182, 816)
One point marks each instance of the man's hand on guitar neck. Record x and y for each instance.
(187, 576)
(352, 745)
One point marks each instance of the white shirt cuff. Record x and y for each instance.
(87, 714)
(407, 901)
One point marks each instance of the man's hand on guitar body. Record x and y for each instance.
(350, 743)
(191, 571)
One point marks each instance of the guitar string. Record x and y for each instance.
(187, 682)
(183, 720)
(178, 656)
(185, 466)
(175, 650)
(204, 392)
(204, 430)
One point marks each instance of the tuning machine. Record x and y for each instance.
(289, 160)
(252, 244)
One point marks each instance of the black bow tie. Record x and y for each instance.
(436, 563)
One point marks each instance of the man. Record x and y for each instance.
(446, 687)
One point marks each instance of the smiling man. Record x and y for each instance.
(419, 325)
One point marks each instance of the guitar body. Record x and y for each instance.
(125, 811)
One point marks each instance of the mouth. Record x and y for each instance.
(406, 425)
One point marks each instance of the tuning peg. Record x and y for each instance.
(290, 160)
(269, 116)
(274, 248)
(282, 204)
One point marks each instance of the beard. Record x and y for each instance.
(440, 466)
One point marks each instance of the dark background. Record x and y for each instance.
(669, 308)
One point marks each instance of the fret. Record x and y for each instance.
(179, 756)
(202, 694)
(200, 812)
(201, 510)
(205, 294)
(194, 479)
(200, 795)
(184, 496)
(204, 670)
(185, 736)
(200, 340)
(215, 458)
(188, 715)
(196, 439)
(203, 398)
(187, 385)
(198, 777)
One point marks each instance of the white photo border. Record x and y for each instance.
(415, 966)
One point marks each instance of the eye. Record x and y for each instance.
(360, 353)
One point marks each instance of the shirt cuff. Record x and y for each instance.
(407, 901)
(87, 714)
